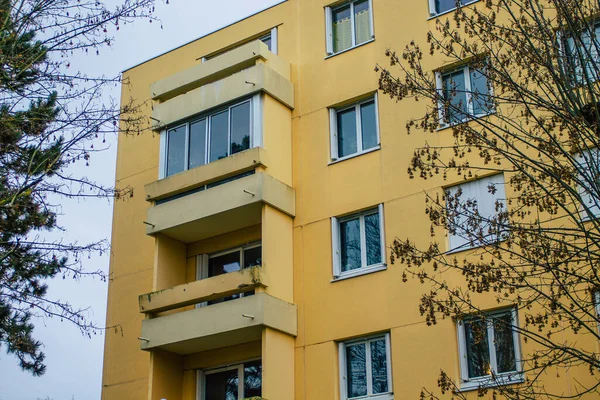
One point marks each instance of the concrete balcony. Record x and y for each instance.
(220, 325)
(208, 289)
(228, 207)
(217, 68)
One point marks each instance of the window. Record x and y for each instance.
(437, 7)
(489, 346)
(365, 368)
(471, 209)
(210, 137)
(225, 262)
(465, 95)
(231, 383)
(358, 243)
(589, 162)
(349, 25)
(582, 55)
(354, 128)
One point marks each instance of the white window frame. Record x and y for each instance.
(201, 374)
(273, 34)
(389, 395)
(329, 25)
(274, 39)
(333, 128)
(504, 378)
(500, 194)
(256, 128)
(336, 244)
(433, 12)
(439, 80)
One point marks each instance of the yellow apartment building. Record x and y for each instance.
(252, 259)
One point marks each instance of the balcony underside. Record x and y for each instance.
(225, 208)
(220, 325)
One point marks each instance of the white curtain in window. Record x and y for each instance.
(362, 20)
(342, 34)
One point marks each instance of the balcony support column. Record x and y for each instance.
(277, 364)
(277, 248)
(166, 376)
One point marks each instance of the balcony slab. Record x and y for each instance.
(220, 325)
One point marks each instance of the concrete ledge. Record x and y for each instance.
(259, 78)
(199, 291)
(218, 68)
(225, 208)
(188, 180)
(219, 325)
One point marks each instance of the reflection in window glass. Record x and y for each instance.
(368, 124)
(456, 96)
(346, 126)
(266, 40)
(373, 237)
(221, 385)
(252, 257)
(379, 366)
(350, 244)
(356, 364)
(197, 143)
(504, 343)
(176, 150)
(479, 92)
(209, 138)
(253, 379)
(366, 372)
(240, 128)
(224, 264)
(478, 354)
(218, 135)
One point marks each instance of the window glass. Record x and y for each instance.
(504, 343)
(362, 20)
(483, 357)
(368, 124)
(266, 40)
(379, 366)
(253, 379)
(588, 189)
(346, 125)
(350, 244)
(252, 257)
(219, 126)
(479, 92)
(342, 29)
(478, 355)
(358, 243)
(373, 238)
(222, 385)
(446, 5)
(456, 97)
(176, 150)
(356, 364)
(583, 51)
(224, 264)
(240, 128)
(197, 143)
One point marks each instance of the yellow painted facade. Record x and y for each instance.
(300, 312)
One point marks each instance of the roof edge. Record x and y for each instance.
(203, 36)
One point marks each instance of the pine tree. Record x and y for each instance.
(48, 120)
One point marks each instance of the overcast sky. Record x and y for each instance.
(74, 362)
